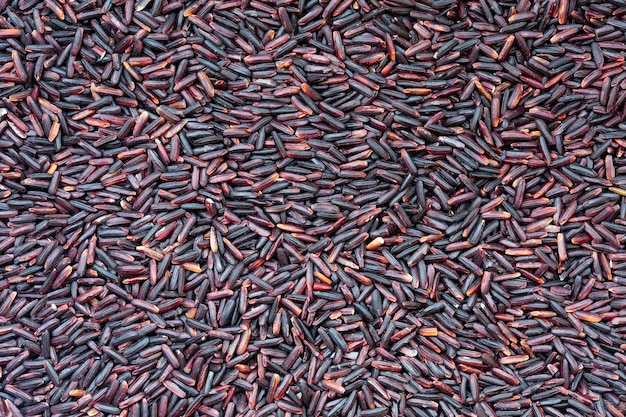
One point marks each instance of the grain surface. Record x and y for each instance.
(312, 208)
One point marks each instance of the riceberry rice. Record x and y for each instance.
(333, 208)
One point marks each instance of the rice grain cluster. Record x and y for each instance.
(355, 208)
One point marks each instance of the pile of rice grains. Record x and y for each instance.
(312, 208)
